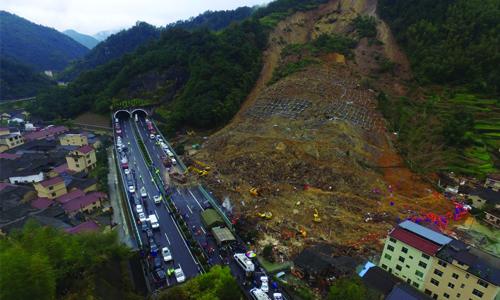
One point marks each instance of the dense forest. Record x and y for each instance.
(449, 42)
(115, 46)
(40, 47)
(199, 77)
(214, 20)
(454, 50)
(19, 80)
(46, 263)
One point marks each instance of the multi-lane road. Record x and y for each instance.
(189, 201)
(168, 234)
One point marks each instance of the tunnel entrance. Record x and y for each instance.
(122, 114)
(141, 113)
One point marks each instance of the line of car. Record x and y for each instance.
(149, 223)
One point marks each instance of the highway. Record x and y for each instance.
(168, 234)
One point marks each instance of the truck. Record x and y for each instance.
(154, 221)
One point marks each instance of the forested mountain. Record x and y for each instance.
(86, 40)
(115, 46)
(20, 81)
(450, 41)
(38, 46)
(199, 78)
(214, 20)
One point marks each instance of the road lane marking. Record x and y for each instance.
(185, 243)
(196, 200)
(204, 232)
(167, 238)
(157, 218)
(189, 208)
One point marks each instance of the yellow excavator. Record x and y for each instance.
(265, 215)
(202, 165)
(198, 171)
(254, 192)
(316, 217)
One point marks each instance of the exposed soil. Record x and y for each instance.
(314, 141)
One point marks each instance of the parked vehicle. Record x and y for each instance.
(138, 209)
(264, 284)
(157, 199)
(167, 255)
(159, 276)
(142, 217)
(131, 188)
(245, 263)
(144, 194)
(258, 294)
(154, 221)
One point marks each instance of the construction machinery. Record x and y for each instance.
(254, 192)
(178, 177)
(316, 217)
(265, 215)
(198, 171)
(202, 165)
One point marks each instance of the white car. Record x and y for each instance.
(264, 284)
(173, 161)
(142, 217)
(157, 198)
(138, 209)
(127, 171)
(152, 136)
(169, 153)
(179, 275)
(143, 192)
(158, 137)
(131, 188)
(167, 255)
(278, 296)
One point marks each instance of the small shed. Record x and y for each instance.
(210, 218)
(222, 234)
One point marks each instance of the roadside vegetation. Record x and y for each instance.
(46, 263)
(100, 172)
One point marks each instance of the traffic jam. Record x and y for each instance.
(160, 258)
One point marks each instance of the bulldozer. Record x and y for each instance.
(254, 192)
(265, 215)
(198, 171)
(316, 217)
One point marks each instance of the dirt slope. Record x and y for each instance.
(314, 141)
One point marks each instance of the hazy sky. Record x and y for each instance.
(92, 16)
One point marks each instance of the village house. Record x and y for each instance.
(84, 204)
(493, 182)
(49, 132)
(82, 159)
(10, 140)
(51, 188)
(73, 139)
(481, 196)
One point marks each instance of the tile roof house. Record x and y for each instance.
(88, 226)
(86, 203)
(45, 133)
(41, 203)
(51, 188)
(481, 196)
(77, 193)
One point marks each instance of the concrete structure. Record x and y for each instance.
(51, 188)
(479, 197)
(82, 159)
(11, 140)
(492, 217)
(73, 139)
(493, 182)
(440, 266)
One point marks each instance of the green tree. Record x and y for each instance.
(347, 289)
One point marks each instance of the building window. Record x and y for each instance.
(451, 285)
(438, 273)
(404, 250)
(467, 275)
(401, 259)
(427, 292)
(53, 194)
(407, 266)
(387, 256)
(482, 283)
(434, 282)
(425, 256)
(446, 295)
(442, 263)
(77, 165)
(419, 274)
(455, 275)
(392, 240)
(422, 264)
(411, 257)
(398, 267)
(458, 295)
(477, 293)
(51, 188)
(384, 266)
(390, 248)
(462, 286)
(415, 284)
